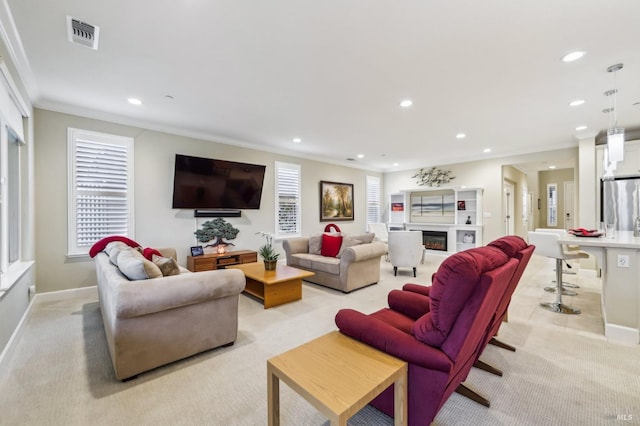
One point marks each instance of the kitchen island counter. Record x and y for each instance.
(619, 261)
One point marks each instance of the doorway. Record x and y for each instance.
(508, 195)
(569, 205)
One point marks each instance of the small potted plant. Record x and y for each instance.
(268, 253)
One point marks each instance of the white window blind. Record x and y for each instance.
(287, 199)
(373, 199)
(101, 188)
(14, 187)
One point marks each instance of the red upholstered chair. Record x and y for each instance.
(414, 301)
(511, 245)
(441, 345)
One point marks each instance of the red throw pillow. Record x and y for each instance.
(100, 245)
(149, 252)
(330, 245)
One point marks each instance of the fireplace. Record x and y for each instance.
(434, 240)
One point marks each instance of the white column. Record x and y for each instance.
(588, 210)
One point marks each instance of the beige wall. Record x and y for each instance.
(558, 177)
(156, 223)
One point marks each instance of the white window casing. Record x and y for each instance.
(373, 199)
(100, 188)
(287, 191)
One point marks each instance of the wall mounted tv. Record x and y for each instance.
(204, 183)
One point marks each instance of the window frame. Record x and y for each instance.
(73, 137)
(373, 204)
(296, 169)
(14, 196)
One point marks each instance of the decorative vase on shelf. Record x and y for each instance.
(468, 222)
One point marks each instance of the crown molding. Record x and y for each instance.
(17, 55)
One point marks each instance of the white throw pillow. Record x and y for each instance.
(113, 249)
(135, 267)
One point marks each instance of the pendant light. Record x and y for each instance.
(615, 134)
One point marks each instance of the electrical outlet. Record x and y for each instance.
(623, 261)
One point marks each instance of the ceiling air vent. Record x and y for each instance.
(82, 33)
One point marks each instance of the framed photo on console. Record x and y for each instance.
(197, 251)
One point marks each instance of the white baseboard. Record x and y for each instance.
(14, 338)
(66, 294)
(38, 299)
(620, 334)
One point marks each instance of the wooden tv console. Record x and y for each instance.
(211, 261)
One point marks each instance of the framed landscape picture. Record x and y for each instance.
(336, 201)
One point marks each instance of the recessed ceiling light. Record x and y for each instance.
(461, 136)
(580, 128)
(360, 155)
(134, 101)
(395, 164)
(406, 103)
(552, 167)
(576, 102)
(297, 140)
(573, 56)
(486, 150)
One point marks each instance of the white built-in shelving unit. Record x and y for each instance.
(462, 221)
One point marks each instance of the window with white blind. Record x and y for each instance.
(287, 191)
(373, 200)
(14, 186)
(100, 188)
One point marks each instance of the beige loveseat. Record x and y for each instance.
(152, 322)
(355, 266)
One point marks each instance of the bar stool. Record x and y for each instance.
(565, 284)
(547, 244)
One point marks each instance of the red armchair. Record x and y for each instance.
(512, 245)
(441, 345)
(414, 301)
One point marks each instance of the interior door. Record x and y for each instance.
(508, 191)
(569, 205)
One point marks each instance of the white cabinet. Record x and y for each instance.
(468, 218)
(631, 164)
(467, 202)
(397, 208)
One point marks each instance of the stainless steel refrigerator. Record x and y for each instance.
(620, 202)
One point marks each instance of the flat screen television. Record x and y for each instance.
(204, 183)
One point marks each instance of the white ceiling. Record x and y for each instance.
(259, 73)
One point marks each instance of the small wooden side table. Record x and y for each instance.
(338, 375)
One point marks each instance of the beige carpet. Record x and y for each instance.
(563, 373)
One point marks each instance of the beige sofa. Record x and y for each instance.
(152, 322)
(356, 266)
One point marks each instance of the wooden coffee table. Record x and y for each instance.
(338, 375)
(275, 288)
